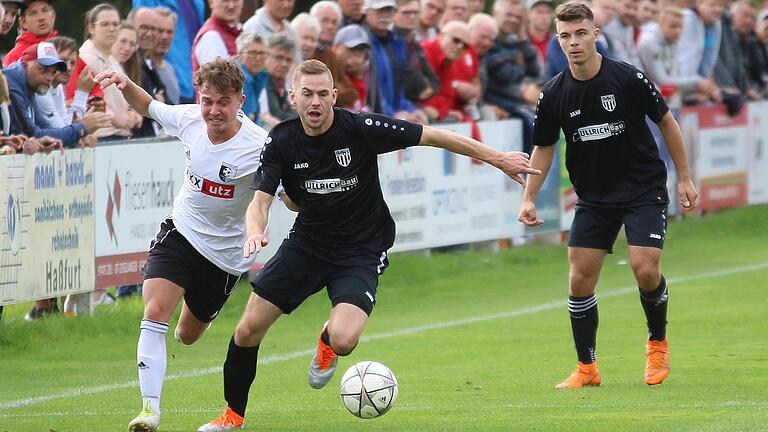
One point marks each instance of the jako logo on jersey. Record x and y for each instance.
(575, 113)
(609, 102)
(343, 156)
(227, 172)
(210, 188)
(298, 166)
(598, 132)
(326, 186)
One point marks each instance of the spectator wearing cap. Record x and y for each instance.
(216, 38)
(389, 63)
(352, 11)
(658, 53)
(541, 14)
(11, 8)
(36, 19)
(329, 15)
(429, 16)
(444, 54)
(423, 83)
(622, 31)
(351, 47)
(34, 74)
(275, 105)
(191, 14)
(251, 54)
(52, 110)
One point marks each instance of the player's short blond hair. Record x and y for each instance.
(222, 75)
(310, 67)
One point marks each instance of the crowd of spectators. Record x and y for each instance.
(421, 60)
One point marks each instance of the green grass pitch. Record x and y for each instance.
(477, 341)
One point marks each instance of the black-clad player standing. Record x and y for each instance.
(614, 165)
(327, 162)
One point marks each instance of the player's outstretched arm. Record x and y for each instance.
(673, 138)
(512, 163)
(256, 218)
(137, 98)
(541, 159)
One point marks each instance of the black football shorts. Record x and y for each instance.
(597, 227)
(206, 286)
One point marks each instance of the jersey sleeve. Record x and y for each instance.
(268, 175)
(648, 97)
(546, 124)
(384, 134)
(173, 118)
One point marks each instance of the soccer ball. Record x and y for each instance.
(368, 389)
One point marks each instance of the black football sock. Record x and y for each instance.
(239, 373)
(655, 307)
(584, 320)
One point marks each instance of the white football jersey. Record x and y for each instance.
(209, 210)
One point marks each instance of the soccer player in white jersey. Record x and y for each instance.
(197, 255)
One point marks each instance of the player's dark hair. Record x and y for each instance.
(311, 67)
(222, 75)
(573, 11)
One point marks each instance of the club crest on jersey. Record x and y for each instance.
(227, 172)
(343, 156)
(609, 102)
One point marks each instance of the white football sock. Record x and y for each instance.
(152, 360)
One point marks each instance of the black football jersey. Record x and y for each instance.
(334, 179)
(611, 155)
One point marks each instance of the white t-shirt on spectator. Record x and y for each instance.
(209, 210)
(209, 47)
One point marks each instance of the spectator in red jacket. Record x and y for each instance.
(445, 54)
(36, 20)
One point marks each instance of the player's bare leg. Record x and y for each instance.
(585, 266)
(160, 299)
(240, 365)
(338, 337)
(189, 329)
(646, 264)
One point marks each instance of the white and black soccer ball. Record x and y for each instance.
(368, 389)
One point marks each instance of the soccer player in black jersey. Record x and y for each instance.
(327, 162)
(614, 165)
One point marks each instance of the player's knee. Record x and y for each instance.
(186, 337)
(343, 344)
(247, 335)
(647, 277)
(157, 312)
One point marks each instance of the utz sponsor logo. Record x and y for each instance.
(218, 190)
(227, 172)
(609, 102)
(343, 157)
(326, 186)
(210, 188)
(598, 132)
